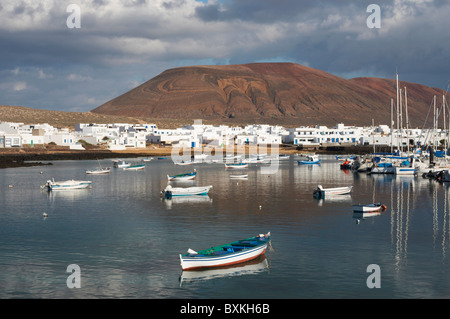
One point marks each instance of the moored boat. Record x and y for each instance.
(322, 192)
(313, 159)
(182, 177)
(51, 185)
(224, 255)
(170, 191)
(97, 171)
(239, 176)
(236, 166)
(134, 167)
(374, 207)
(121, 164)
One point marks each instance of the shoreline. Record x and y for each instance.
(25, 157)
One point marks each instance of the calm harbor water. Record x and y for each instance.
(127, 241)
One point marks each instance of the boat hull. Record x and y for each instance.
(368, 208)
(67, 185)
(322, 192)
(236, 166)
(169, 192)
(220, 258)
(134, 168)
(182, 177)
(309, 162)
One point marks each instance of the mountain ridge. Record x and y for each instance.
(283, 93)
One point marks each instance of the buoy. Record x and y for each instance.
(10, 186)
(45, 214)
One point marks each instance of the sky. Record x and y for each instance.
(57, 56)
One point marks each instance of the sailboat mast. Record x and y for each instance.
(392, 124)
(407, 124)
(397, 114)
(401, 120)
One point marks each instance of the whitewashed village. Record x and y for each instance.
(121, 136)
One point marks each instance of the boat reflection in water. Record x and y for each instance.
(194, 199)
(364, 215)
(253, 267)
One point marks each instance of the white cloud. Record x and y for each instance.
(78, 77)
(19, 86)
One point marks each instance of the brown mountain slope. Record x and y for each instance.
(282, 93)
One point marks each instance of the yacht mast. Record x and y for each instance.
(392, 123)
(397, 114)
(407, 124)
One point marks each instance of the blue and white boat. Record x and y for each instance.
(313, 159)
(51, 185)
(170, 191)
(236, 166)
(182, 177)
(224, 255)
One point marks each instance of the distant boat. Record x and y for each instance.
(239, 176)
(97, 171)
(121, 164)
(283, 156)
(185, 163)
(322, 192)
(134, 167)
(375, 207)
(313, 159)
(162, 158)
(235, 252)
(148, 159)
(236, 166)
(182, 177)
(51, 185)
(170, 191)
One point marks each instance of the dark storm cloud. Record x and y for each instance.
(122, 43)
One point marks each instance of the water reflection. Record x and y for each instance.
(189, 200)
(253, 267)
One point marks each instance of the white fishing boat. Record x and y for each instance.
(121, 164)
(375, 207)
(51, 185)
(148, 159)
(184, 163)
(170, 191)
(322, 192)
(239, 176)
(235, 252)
(98, 171)
(134, 167)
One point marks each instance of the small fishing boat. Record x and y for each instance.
(170, 191)
(239, 176)
(98, 171)
(51, 185)
(134, 167)
(183, 177)
(314, 159)
(283, 156)
(162, 158)
(184, 163)
(121, 164)
(375, 207)
(236, 166)
(224, 255)
(322, 192)
(148, 159)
